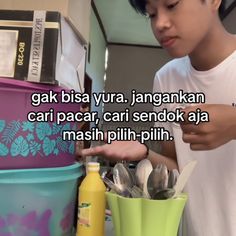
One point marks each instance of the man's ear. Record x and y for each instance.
(215, 4)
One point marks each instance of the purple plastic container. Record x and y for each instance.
(25, 144)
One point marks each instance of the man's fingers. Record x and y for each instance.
(195, 141)
(94, 151)
(187, 110)
(202, 146)
(197, 146)
(189, 128)
(191, 138)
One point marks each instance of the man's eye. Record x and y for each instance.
(172, 5)
(151, 15)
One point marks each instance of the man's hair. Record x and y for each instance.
(140, 6)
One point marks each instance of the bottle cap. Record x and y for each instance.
(93, 166)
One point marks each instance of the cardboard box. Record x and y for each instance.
(32, 40)
(76, 11)
(40, 46)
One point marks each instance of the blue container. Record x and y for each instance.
(38, 202)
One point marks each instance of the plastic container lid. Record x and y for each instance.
(41, 175)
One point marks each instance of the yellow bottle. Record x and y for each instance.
(91, 218)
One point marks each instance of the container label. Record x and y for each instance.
(84, 214)
(36, 50)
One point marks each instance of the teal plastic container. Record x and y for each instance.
(38, 202)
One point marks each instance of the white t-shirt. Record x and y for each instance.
(211, 207)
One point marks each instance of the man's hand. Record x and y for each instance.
(220, 129)
(117, 150)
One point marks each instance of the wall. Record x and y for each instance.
(78, 11)
(96, 67)
(230, 21)
(131, 67)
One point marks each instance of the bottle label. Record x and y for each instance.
(84, 214)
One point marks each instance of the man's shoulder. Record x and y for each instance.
(174, 66)
(172, 73)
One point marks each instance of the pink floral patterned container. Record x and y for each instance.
(38, 201)
(25, 144)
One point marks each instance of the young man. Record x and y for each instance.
(191, 31)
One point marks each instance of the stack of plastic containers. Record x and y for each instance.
(38, 176)
(38, 172)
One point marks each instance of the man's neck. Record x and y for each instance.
(213, 49)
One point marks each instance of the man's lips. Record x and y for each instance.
(168, 41)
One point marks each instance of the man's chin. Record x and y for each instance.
(177, 53)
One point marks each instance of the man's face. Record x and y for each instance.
(181, 26)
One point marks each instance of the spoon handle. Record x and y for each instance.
(183, 178)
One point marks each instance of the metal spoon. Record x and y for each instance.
(122, 176)
(169, 191)
(157, 180)
(130, 173)
(164, 194)
(142, 172)
(173, 176)
(119, 189)
(136, 192)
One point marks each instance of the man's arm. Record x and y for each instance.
(133, 151)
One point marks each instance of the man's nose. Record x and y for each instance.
(162, 22)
